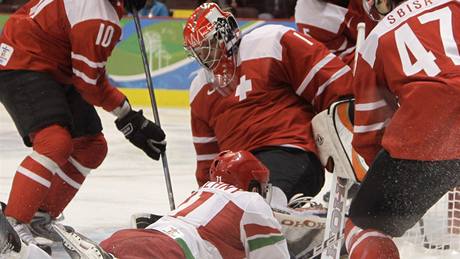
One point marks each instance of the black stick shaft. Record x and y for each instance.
(164, 160)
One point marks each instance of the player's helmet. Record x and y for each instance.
(241, 169)
(212, 37)
(377, 9)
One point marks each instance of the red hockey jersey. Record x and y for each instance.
(71, 40)
(411, 58)
(332, 24)
(283, 79)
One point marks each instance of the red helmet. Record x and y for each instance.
(377, 9)
(212, 37)
(241, 169)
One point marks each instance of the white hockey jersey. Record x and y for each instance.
(222, 221)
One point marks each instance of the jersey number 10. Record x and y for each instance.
(105, 34)
(406, 40)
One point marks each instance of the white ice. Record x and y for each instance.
(128, 181)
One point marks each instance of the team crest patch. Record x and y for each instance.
(5, 53)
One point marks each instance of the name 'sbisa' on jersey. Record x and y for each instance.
(407, 8)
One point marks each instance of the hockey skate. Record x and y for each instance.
(9, 239)
(24, 233)
(42, 230)
(79, 246)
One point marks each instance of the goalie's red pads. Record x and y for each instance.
(368, 243)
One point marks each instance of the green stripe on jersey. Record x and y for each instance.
(188, 254)
(263, 241)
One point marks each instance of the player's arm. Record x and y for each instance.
(323, 21)
(92, 43)
(374, 106)
(315, 74)
(206, 147)
(261, 233)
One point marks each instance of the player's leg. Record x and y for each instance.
(142, 243)
(395, 194)
(293, 170)
(89, 150)
(38, 106)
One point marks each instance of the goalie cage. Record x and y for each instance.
(438, 232)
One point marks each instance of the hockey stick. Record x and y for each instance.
(319, 249)
(361, 28)
(164, 160)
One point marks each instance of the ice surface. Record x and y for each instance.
(127, 182)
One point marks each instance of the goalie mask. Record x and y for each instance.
(241, 169)
(212, 37)
(377, 9)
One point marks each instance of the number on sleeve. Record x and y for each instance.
(104, 37)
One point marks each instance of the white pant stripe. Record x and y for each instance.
(82, 169)
(67, 179)
(355, 230)
(44, 161)
(206, 157)
(34, 176)
(364, 236)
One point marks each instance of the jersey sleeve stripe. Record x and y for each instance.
(370, 106)
(202, 140)
(84, 77)
(34, 11)
(334, 77)
(257, 243)
(206, 157)
(371, 127)
(256, 229)
(313, 72)
(26, 172)
(87, 61)
(67, 179)
(346, 52)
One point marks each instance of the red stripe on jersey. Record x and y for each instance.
(204, 196)
(228, 243)
(256, 229)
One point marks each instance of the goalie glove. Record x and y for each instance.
(79, 246)
(142, 133)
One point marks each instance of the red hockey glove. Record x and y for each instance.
(143, 133)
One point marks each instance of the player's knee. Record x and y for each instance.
(368, 243)
(90, 151)
(54, 142)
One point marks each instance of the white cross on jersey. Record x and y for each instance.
(244, 87)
